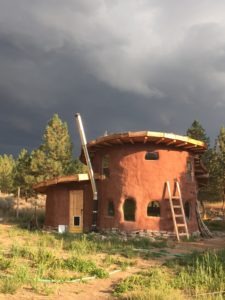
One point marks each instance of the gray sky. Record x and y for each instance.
(124, 65)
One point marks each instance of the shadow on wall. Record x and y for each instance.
(188, 189)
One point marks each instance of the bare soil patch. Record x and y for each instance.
(103, 288)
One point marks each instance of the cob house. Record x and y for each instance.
(146, 182)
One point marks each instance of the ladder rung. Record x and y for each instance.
(176, 206)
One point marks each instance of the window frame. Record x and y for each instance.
(149, 206)
(105, 165)
(190, 170)
(188, 218)
(152, 155)
(134, 208)
(108, 209)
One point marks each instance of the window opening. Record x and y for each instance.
(105, 166)
(153, 209)
(76, 221)
(111, 209)
(129, 208)
(189, 170)
(152, 156)
(187, 210)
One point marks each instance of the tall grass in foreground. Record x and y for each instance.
(155, 284)
(184, 278)
(202, 273)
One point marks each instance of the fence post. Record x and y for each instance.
(17, 202)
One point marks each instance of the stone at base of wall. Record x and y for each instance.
(154, 234)
(148, 233)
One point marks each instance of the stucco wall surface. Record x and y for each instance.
(133, 176)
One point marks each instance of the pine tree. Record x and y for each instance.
(22, 173)
(218, 167)
(7, 167)
(196, 131)
(78, 167)
(54, 157)
(218, 163)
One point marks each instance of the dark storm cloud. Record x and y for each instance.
(124, 65)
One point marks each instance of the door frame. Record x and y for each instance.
(76, 207)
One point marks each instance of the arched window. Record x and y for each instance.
(129, 208)
(111, 209)
(153, 209)
(152, 155)
(187, 210)
(105, 165)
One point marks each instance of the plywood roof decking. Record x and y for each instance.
(159, 138)
(42, 186)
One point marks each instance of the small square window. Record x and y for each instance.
(76, 221)
(152, 156)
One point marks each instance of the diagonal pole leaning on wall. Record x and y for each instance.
(90, 169)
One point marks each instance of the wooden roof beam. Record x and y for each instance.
(191, 146)
(171, 142)
(145, 139)
(131, 141)
(182, 144)
(160, 141)
(119, 141)
(198, 150)
(107, 144)
(98, 145)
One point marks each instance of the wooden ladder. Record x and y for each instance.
(177, 209)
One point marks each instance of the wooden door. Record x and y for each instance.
(76, 211)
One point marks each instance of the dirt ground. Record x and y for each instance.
(102, 288)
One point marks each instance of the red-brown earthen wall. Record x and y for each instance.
(57, 204)
(130, 176)
(133, 176)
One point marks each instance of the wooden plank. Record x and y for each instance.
(138, 136)
(76, 210)
(176, 215)
(177, 187)
(107, 144)
(190, 146)
(167, 187)
(160, 141)
(171, 142)
(181, 144)
(145, 139)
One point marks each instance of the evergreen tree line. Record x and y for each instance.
(214, 161)
(52, 158)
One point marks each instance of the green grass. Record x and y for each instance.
(152, 284)
(184, 277)
(31, 257)
(201, 273)
(84, 266)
